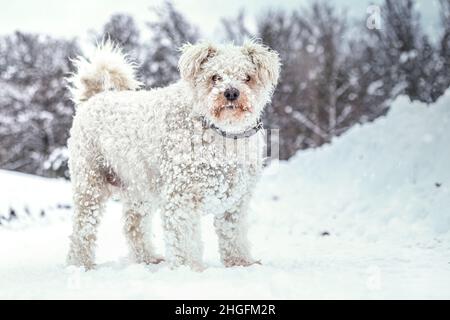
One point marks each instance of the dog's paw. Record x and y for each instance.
(154, 260)
(240, 262)
(197, 266)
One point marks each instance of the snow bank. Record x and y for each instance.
(364, 217)
(389, 178)
(29, 198)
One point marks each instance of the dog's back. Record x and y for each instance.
(115, 126)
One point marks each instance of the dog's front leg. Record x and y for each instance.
(231, 230)
(183, 236)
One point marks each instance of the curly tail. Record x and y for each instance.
(106, 69)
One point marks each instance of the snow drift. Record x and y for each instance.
(26, 199)
(390, 178)
(367, 216)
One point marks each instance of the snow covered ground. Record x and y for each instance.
(365, 217)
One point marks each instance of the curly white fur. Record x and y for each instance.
(107, 69)
(150, 148)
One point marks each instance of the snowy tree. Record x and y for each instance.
(156, 57)
(168, 32)
(36, 112)
(442, 79)
(313, 102)
(122, 30)
(236, 29)
(407, 61)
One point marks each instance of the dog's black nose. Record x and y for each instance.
(231, 94)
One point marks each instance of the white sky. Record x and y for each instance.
(76, 17)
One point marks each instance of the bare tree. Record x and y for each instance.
(408, 61)
(122, 29)
(235, 28)
(311, 104)
(35, 109)
(170, 30)
(156, 57)
(442, 79)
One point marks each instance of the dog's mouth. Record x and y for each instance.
(232, 107)
(235, 111)
(238, 107)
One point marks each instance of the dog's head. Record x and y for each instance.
(231, 84)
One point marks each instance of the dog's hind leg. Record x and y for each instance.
(137, 231)
(90, 193)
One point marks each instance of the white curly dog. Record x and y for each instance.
(190, 148)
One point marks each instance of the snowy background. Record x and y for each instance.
(358, 208)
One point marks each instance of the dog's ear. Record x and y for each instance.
(192, 58)
(266, 60)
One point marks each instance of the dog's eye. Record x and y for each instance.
(216, 78)
(248, 78)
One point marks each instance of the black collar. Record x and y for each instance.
(244, 134)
